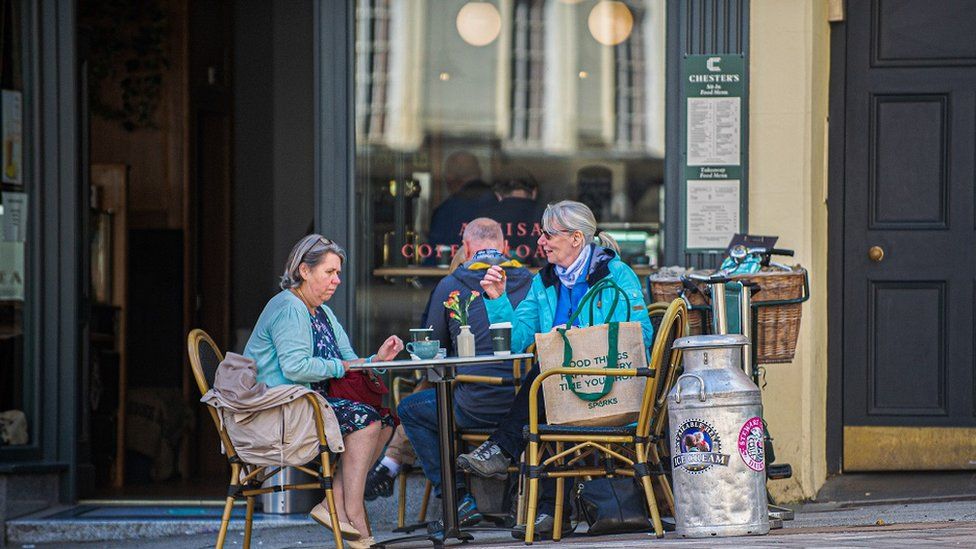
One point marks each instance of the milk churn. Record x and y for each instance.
(716, 439)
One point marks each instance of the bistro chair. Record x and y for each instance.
(473, 437)
(633, 450)
(400, 384)
(246, 479)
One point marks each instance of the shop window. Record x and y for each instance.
(17, 381)
(543, 100)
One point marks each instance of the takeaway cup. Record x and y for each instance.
(501, 337)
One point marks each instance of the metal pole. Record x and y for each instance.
(445, 418)
(720, 325)
(745, 322)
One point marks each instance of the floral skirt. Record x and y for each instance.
(354, 416)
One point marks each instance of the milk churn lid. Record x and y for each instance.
(710, 341)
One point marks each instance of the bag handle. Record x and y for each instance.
(590, 300)
(613, 333)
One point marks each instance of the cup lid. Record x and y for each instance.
(500, 325)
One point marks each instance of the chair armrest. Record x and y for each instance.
(319, 420)
(487, 380)
(537, 384)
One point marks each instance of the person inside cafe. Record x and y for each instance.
(468, 199)
(297, 339)
(578, 257)
(475, 404)
(519, 213)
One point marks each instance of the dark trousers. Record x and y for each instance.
(509, 438)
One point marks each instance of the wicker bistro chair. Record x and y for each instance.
(472, 437)
(246, 479)
(401, 386)
(633, 450)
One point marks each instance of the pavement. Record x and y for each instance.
(919, 525)
(889, 516)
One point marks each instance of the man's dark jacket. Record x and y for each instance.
(473, 397)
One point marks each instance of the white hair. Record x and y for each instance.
(310, 250)
(571, 216)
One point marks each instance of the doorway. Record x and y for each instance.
(906, 344)
(160, 108)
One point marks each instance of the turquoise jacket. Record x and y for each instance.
(536, 312)
(281, 344)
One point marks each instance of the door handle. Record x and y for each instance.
(876, 254)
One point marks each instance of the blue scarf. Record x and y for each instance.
(569, 276)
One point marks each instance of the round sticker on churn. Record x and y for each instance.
(752, 445)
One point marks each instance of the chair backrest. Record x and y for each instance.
(204, 358)
(664, 362)
(521, 366)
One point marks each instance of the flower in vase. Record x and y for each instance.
(458, 307)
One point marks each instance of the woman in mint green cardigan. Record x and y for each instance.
(297, 339)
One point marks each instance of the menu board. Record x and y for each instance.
(714, 131)
(713, 179)
(713, 213)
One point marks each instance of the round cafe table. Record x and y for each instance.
(440, 372)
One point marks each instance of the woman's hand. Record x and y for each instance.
(494, 282)
(390, 348)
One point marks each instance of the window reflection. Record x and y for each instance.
(455, 119)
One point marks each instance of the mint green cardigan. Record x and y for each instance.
(281, 344)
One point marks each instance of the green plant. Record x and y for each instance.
(128, 59)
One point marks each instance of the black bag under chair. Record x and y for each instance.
(612, 506)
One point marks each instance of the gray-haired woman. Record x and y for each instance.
(297, 339)
(579, 256)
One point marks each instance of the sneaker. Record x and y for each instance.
(487, 460)
(379, 483)
(468, 515)
(544, 524)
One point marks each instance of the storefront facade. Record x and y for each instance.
(398, 89)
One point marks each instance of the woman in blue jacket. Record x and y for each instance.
(297, 339)
(576, 263)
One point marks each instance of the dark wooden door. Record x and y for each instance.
(910, 141)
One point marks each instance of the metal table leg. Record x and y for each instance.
(445, 419)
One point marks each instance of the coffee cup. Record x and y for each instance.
(501, 337)
(421, 334)
(425, 350)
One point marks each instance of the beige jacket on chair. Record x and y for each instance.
(268, 426)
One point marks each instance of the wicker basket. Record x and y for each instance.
(777, 326)
(666, 288)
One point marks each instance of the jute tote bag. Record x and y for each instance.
(593, 400)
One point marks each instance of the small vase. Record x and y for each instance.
(465, 342)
